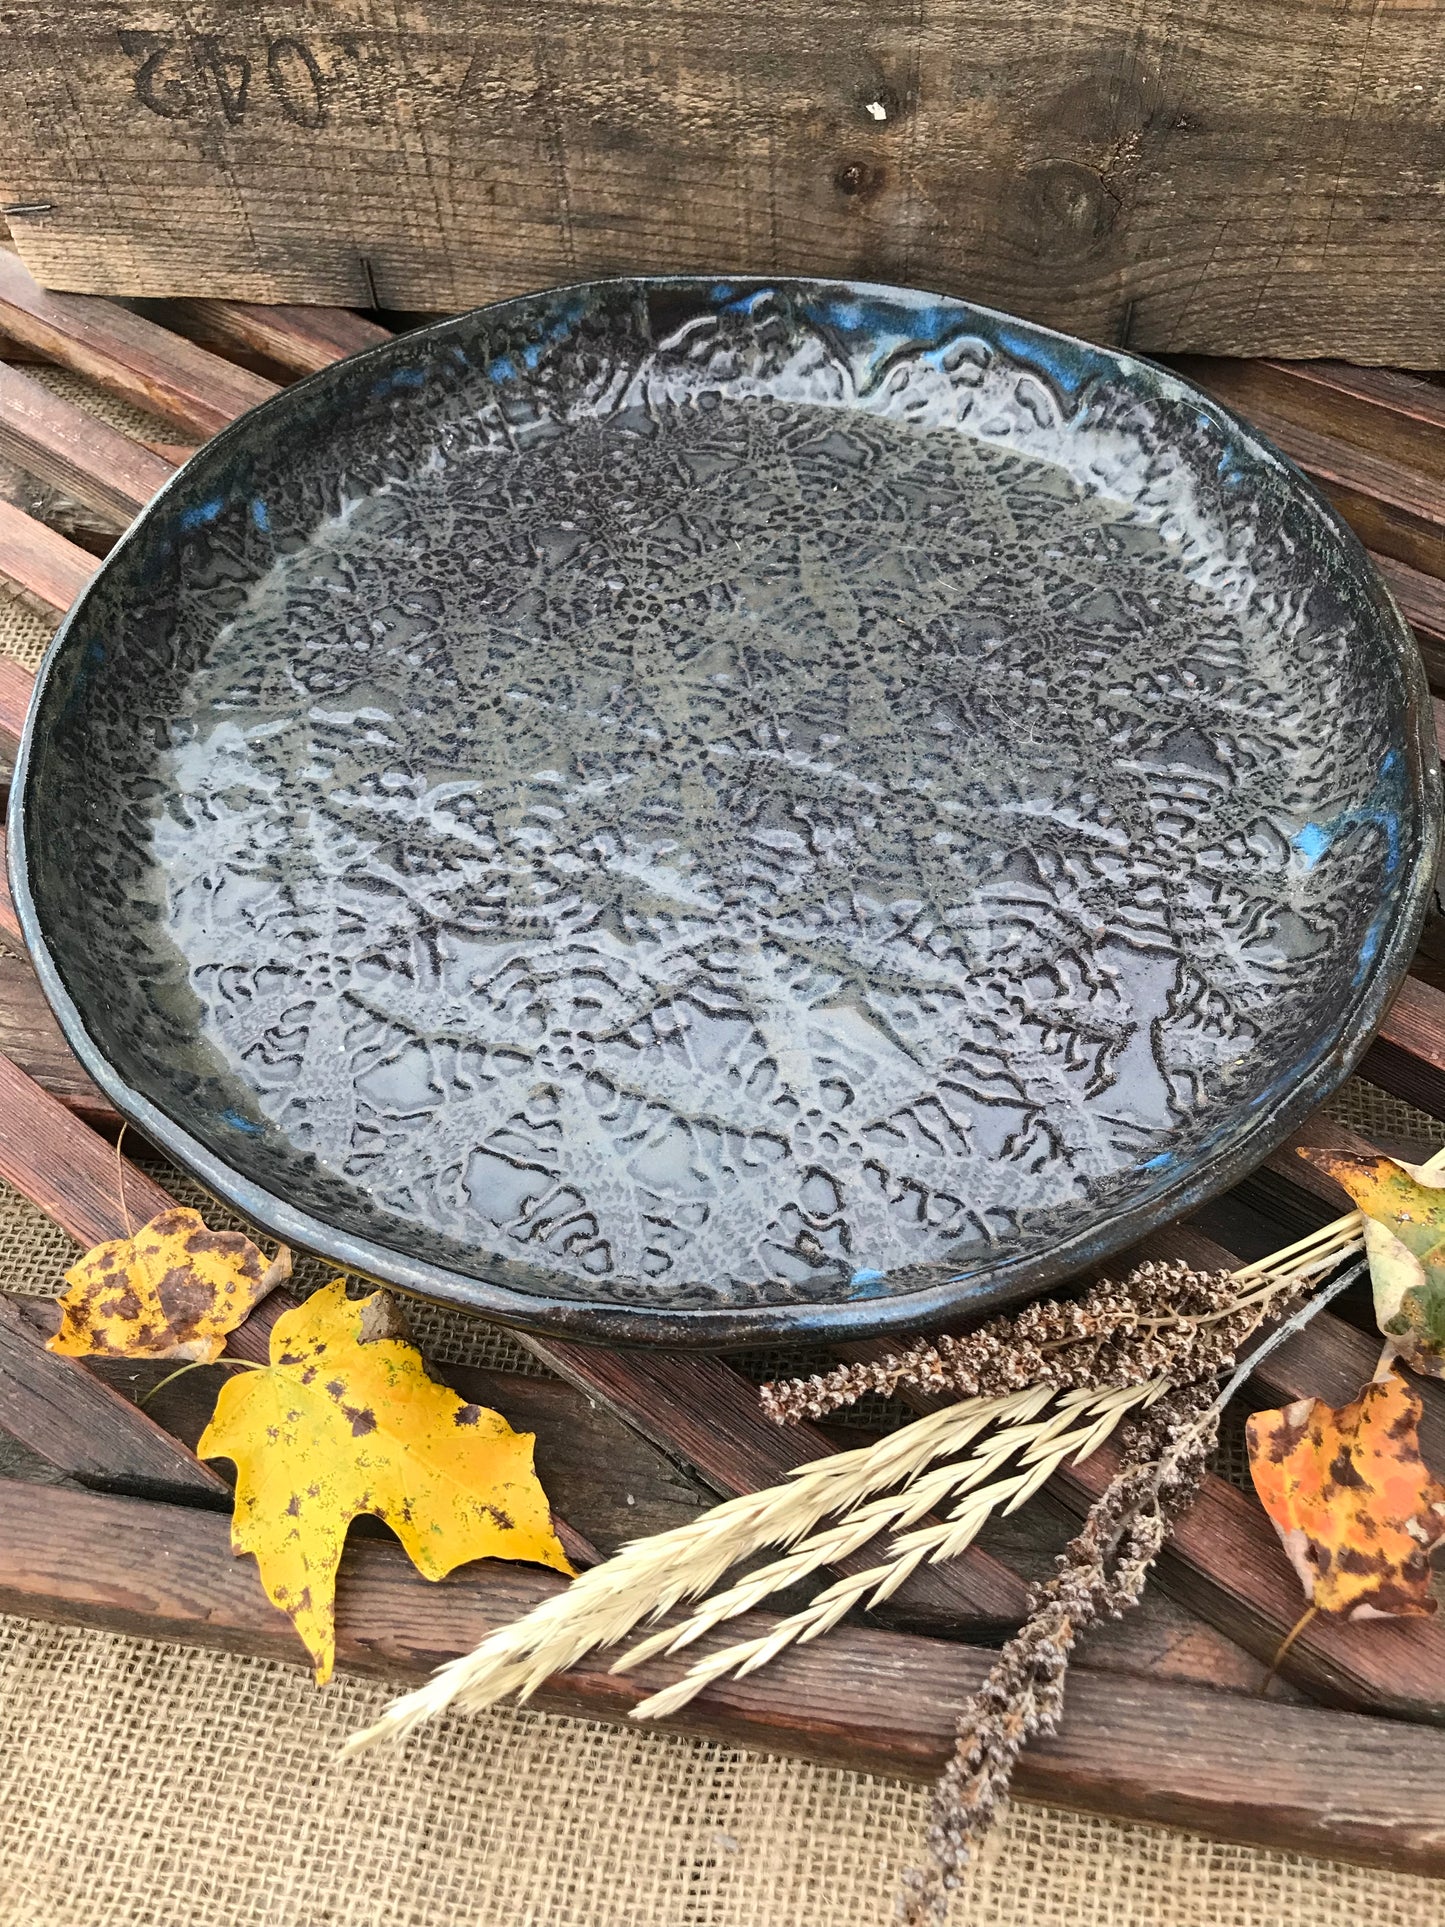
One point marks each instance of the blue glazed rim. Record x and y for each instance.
(1241, 1145)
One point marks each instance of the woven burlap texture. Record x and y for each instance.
(149, 1785)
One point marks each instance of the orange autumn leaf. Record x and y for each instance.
(173, 1290)
(347, 1420)
(1355, 1505)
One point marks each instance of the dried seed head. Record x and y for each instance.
(1165, 1318)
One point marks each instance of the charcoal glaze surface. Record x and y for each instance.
(704, 810)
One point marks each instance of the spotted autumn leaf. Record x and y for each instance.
(1405, 1244)
(346, 1420)
(1355, 1505)
(173, 1290)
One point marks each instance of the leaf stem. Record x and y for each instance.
(196, 1365)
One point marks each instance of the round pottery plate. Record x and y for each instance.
(702, 811)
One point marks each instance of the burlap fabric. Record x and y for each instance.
(148, 1785)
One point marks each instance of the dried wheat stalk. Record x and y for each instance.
(648, 1578)
(1077, 1425)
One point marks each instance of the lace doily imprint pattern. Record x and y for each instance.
(707, 804)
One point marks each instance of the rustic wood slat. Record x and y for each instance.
(126, 354)
(301, 340)
(1422, 601)
(1363, 471)
(47, 570)
(1407, 1057)
(1387, 389)
(1223, 1560)
(32, 1040)
(9, 917)
(1286, 1776)
(65, 1168)
(81, 1427)
(1254, 181)
(584, 1451)
(72, 449)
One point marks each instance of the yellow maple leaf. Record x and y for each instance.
(347, 1420)
(173, 1290)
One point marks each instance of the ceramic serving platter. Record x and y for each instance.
(707, 811)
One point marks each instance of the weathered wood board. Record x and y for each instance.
(1247, 177)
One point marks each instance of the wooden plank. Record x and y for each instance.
(1362, 471)
(126, 354)
(1384, 390)
(1407, 1057)
(299, 339)
(62, 1166)
(1377, 411)
(47, 570)
(85, 1429)
(1384, 1666)
(74, 450)
(1421, 600)
(32, 1040)
(1083, 166)
(1224, 1559)
(1281, 1775)
(1389, 531)
(709, 1416)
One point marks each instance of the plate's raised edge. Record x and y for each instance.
(984, 1289)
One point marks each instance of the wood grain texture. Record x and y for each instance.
(10, 930)
(32, 1040)
(1281, 1775)
(127, 354)
(66, 1168)
(1422, 603)
(72, 449)
(46, 570)
(82, 1427)
(297, 339)
(1407, 1057)
(1240, 178)
(1225, 1561)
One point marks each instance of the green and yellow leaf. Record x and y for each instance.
(1405, 1244)
(173, 1290)
(347, 1420)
